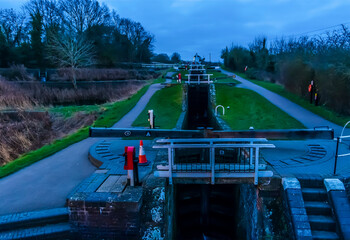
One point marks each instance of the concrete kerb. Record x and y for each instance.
(340, 203)
(334, 184)
(290, 183)
(296, 208)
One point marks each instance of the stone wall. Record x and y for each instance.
(262, 214)
(106, 215)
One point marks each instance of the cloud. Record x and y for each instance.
(207, 26)
(320, 9)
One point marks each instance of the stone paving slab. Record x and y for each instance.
(113, 183)
(13, 219)
(110, 179)
(282, 159)
(50, 231)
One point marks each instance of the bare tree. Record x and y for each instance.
(48, 9)
(72, 52)
(80, 15)
(14, 26)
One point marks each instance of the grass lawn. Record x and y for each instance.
(222, 78)
(68, 111)
(216, 74)
(248, 108)
(227, 80)
(167, 106)
(112, 114)
(319, 110)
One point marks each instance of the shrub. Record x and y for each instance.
(334, 88)
(13, 97)
(18, 73)
(89, 74)
(22, 134)
(28, 95)
(295, 75)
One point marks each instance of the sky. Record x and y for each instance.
(208, 26)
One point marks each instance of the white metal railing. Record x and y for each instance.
(216, 110)
(339, 140)
(157, 65)
(213, 168)
(199, 81)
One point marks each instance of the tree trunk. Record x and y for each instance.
(74, 78)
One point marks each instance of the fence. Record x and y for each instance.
(214, 158)
(199, 78)
(337, 155)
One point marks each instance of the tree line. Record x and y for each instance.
(322, 60)
(65, 33)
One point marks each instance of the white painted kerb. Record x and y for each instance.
(334, 184)
(290, 183)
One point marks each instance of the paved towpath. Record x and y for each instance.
(130, 117)
(309, 119)
(47, 183)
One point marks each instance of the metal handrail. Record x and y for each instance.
(337, 148)
(247, 145)
(214, 140)
(213, 144)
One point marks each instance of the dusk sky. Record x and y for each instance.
(207, 26)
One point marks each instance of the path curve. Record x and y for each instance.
(307, 118)
(46, 183)
(130, 117)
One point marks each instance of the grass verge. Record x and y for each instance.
(227, 80)
(248, 108)
(111, 115)
(69, 111)
(167, 106)
(322, 111)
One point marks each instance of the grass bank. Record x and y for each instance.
(220, 77)
(248, 108)
(111, 114)
(167, 106)
(322, 111)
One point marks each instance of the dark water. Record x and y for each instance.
(203, 211)
(199, 114)
(206, 211)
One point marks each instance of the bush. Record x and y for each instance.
(22, 134)
(18, 73)
(295, 75)
(88, 74)
(334, 88)
(13, 97)
(28, 95)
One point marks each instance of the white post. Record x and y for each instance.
(256, 172)
(131, 177)
(170, 156)
(151, 118)
(199, 81)
(251, 154)
(212, 161)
